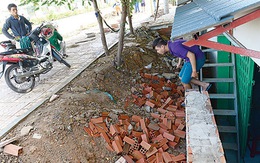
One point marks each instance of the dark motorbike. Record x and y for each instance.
(20, 75)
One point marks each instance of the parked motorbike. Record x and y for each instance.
(20, 75)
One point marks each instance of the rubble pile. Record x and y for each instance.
(145, 139)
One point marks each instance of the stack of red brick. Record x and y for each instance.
(140, 139)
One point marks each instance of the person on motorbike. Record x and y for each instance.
(56, 40)
(18, 24)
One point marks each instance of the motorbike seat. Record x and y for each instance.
(6, 42)
(17, 51)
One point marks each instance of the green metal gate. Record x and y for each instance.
(245, 71)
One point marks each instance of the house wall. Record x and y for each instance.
(249, 34)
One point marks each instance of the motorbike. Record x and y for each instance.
(24, 67)
(7, 45)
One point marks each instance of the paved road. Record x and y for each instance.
(14, 107)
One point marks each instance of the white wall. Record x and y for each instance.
(249, 35)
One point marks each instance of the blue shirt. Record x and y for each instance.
(18, 27)
(179, 50)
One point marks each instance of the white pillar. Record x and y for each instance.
(166, 7)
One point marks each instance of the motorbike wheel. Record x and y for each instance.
(65, 63)
(19, 85)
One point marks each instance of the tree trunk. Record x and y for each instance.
(121, 32)
(129, 15)
(100, 23)
(166, 7)
(157, 8)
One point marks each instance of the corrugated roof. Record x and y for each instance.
(203, 14)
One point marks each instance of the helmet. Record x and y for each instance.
(47, 32)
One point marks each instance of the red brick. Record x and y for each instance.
(144, 138)
(178, 121)
(180, 127)
(153, 126)
(177, 139)
(124, 117)
(148, 76)
(148, 103)
(136, 134)
(180, 133)
(114, 130)
(109, 147)
(136, 118)
(163, 141)
(169, 101)
(13, 149)
(151, 152)
(168, 136)
(172, 144)
(118, 138)
(97, 120)
(163, 126)
(165, 94)
(117, 147)
(142, 160)
(129, 140)
(152, 159)
(163, 111)
(148, 89)
(104, 114)
(142, 122)
(137, 154)
(156, 116)
(180, 157)
(103, 126)
(159, 158)
(105, 137)
(172, 108)
(160, 150)
(166, 157)
(88, 130)
(165, 147)
(145, 145)
(158, 138)
(169, 124)
(93, 128)
(128, 159)
(180, 114)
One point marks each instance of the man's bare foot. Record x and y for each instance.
(206, 86)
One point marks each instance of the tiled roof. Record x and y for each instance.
(203, 14)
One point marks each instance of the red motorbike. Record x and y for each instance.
(27, 64)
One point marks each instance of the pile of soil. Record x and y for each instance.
(59, 124)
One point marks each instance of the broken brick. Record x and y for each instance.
(142, 160)
(180, 127)
(163, 111)
(118, 138)
(114, 129)
(144, 138)
(13, 149)
(165, 147)
(180, 113)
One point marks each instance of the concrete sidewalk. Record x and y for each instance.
(14, 107)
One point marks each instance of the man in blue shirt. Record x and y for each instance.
(194, 60)
(17, 24)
